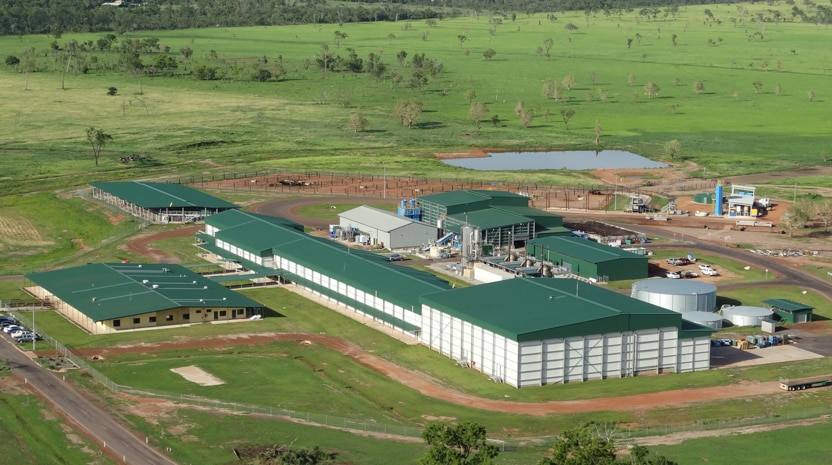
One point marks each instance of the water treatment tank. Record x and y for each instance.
(711, 320)
(744, 315)
(674, 294)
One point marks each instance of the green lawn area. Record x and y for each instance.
(328, 213)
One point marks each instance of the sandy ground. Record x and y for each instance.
(197, 375)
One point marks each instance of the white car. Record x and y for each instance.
(674, 275)
(710, 272)
(703, 266)
(17, 332)
(10, 328)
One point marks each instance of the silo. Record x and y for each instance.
(677, 295)
(711, 320)
(744, 315)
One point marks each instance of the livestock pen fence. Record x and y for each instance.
(621, 434)
(373, 185)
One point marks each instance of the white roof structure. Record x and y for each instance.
(380, 219)
(379, 227)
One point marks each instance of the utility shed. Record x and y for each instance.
(588, 258)
(531, 332)
(387, 228)
(110, 297)
(791, 311)
(160, 202)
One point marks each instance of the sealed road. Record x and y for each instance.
(110, 436)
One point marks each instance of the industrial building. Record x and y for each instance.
(523, 332)
(502, 217)
(105, 298)
(372, 226)
(790, 311)
(159, 202)
(675, 294)
(531, 332)
(364, 282)
(589, 259)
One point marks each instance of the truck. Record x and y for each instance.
(802, 384)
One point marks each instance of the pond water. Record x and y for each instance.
(567, 160)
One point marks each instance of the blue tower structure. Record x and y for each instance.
(408, 209)
(718, 199)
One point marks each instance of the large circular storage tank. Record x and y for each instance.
(711, 320)
(743, 315)
(675, 294)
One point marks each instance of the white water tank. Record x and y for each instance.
(744, 315)
(675, 294)
(711, 320)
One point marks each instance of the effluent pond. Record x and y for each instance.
(565, 160)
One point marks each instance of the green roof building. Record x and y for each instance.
(366, 283)
(589, 259)
(791, 311)
(502, 217)
(531, 332)
(160, 202)
(109, 297)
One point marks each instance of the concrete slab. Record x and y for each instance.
(724, 357)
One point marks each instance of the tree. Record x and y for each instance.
(566, 115)
(823, 212)
(478, 111)
(757, 86)
(12, 60)
(778, 89)
(698, 87)
(569, 81)
(598, 130)
(548, 43)
(795, 217)
(602, 95)
(401, 56)
(408, 112)
(593, 76)
(570, 27)
(552, 89)
(470, 95)
(673, 39)
(526, 116)
(495, 120)
(97, 139)
(461, 38)
(631, 79)
(338, 37)
(186, 52)
(261, 75)
(673, 149)
(489, 53)
(357, 122)
(651, 89)
(593, 444)
(464, 444)
(811, 95)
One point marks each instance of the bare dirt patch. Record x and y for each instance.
(141, 244)
(197, 375)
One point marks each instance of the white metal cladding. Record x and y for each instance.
(694, 354)
(460, 340)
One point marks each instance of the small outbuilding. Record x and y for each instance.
(790, 311)
(588, 258)
(387, 228)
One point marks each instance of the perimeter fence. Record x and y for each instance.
(621, 434)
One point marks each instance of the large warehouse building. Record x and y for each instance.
(523, 332)
(589, 259)
(109, 297)
(159, 202)
(531, 332)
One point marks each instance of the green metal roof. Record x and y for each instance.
(532, 309)
(372, 273)
(589, 251)
(233, 218)
(691, 329)
(490, 218)
(104, 291)
(160, 195)
(788, 305)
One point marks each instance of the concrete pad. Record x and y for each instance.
(724, 357)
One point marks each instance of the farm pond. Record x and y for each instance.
(561, 160)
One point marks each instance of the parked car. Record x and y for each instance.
(674, 261)
(6, 323)
(25, 338)
(702, 266)
(17, 332)
(674, 275)
(8, 329)
(710, 272)
(690, 274)
(396, 257)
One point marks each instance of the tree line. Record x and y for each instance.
(56, 17)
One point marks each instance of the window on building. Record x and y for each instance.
(137, 321)
(185, 316)
(116, 323)
(240, 311)
(152, 319)
(168, 317)
(199, 311)
(222, 312)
